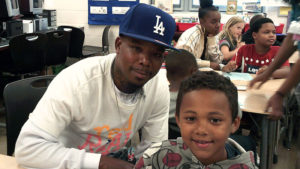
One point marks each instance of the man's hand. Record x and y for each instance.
(275, 103)
(229, 67)
(113, 163)
(215, 66)
(263, 77)
(262, 69)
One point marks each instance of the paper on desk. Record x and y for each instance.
(238, 76)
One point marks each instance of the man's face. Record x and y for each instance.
(266, 35)
(211, 22)
(137, 61)
(205, 123)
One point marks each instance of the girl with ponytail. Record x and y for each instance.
(201, 40)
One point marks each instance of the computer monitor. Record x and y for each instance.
(31, 6)
(9, 8)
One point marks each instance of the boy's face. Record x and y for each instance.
(205, 123)
(266, 35)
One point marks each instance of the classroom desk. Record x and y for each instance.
(293, 59)
(255, 101)
(8, 162)
(4, 45)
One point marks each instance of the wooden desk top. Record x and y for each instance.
(8, 162)
(255, 100)
(294, 57)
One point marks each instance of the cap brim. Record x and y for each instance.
(160, 43)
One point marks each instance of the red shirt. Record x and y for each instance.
(252, 60)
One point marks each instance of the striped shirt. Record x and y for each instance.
(192, 40)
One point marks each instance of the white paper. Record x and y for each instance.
(165, 5)
(196, 2)
(176, 2)
(119, 10)
(98, 10)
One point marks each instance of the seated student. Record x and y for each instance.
(247, 36)
(201, 39)
(206, 113)
(179, 66)
(93, 108)
(255, 58)
(230, 38)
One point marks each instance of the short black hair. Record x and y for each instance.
(179, 64)
(213, 81)
(258, 24)
(255, 18)
(205, 7)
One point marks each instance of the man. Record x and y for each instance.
(94, 107)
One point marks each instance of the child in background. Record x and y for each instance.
(247, 36)
(201, 39)
(230, 38)
(179, 66)
(206, 113)
(255, 58)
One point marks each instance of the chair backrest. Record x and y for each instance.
(76, 40)
(57, 47)
(20, 98)
(28, 52)
(105, 43)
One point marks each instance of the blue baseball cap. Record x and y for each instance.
(146, 22)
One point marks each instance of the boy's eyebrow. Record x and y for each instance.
(190, 111)
(216, 113)
(210, 113)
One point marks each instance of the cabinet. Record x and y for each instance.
(51, 15)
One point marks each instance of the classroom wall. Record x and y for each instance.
(75, 13)
(272, 12)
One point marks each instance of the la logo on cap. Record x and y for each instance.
(159, 26)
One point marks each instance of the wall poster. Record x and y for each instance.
(165, 5)
(108, 12)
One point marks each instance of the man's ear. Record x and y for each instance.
(118, 42)
(193, 70)
(254, 35)
(201, 20)
(235, 124)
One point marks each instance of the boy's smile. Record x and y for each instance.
(205, 123)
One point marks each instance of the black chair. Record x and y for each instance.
(20, 98)
(105, 43)
(76, 42)
(28, 53)
(57, 47)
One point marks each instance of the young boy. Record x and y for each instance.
(206, 114)
(179, 66)
(255, 58)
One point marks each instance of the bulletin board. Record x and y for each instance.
(108, 12)
(165, 5)
(284, 11)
